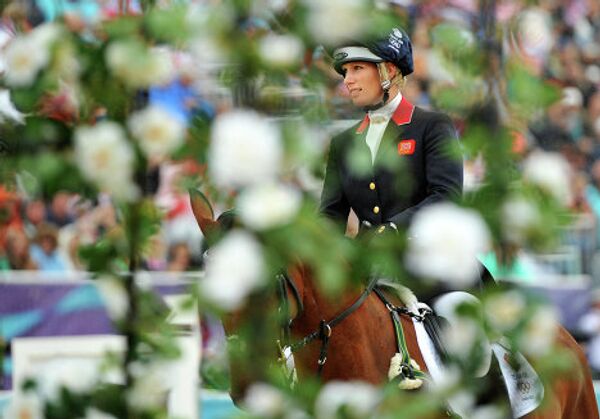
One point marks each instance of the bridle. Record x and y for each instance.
(325, 329)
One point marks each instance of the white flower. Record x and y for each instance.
(139, 66)
(160, 68)
(281, 50)
(77, 375)
(92, 413)
(333, 21)
(8, 110)
(25, 406)
(550, 171)
(46, 34)
(464, 333)
(234, 268)
(158, 131)
(488, 411)
(444, 243)
(104, 156)
(151, 384)
(244, 149)
(540, 332)
(461, 337)
(462, 403)
(505, 310)
(26, 55)
(24, 59)
(268, 205)
(263, 400)
(207, 52)
(5, 37)
(519, 217)
(360, 399)
(114, 296)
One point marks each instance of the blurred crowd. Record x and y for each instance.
(559, 41)
(45, 234)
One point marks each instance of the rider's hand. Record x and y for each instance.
(369, 232)
(386, 228)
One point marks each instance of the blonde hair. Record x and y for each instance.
(399, 79)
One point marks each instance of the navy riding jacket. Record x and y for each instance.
(413, 168)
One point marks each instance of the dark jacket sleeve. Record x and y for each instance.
(443, 172)
(333, 201)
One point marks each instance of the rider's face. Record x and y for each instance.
(362, 80)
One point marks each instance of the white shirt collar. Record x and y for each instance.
(383, 114)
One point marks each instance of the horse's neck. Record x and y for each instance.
(318, 306)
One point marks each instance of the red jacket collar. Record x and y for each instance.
(402, 115)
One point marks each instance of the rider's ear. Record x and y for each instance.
(392, 70)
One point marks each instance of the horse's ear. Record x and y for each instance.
(203, 212)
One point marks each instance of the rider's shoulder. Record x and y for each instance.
(428, 116)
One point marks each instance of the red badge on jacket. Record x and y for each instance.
(406, 147)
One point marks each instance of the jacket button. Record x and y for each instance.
(372, 186)
(376, 210)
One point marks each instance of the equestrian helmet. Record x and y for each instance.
(395, 47)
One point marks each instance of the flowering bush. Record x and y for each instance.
(78, 95)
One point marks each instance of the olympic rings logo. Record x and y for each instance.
(524, 386)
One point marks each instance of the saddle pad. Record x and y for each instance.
(525, 390)
(435, 367)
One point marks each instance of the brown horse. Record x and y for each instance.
(361, 345)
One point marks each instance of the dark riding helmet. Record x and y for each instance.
(394, 47)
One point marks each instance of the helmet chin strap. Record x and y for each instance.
(386, 84)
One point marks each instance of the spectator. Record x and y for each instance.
(556, 130)
(45, 250)
(179, 258)
(60, 213)
(155, 259)
(9, 215)
(35, 214)
(17, 251)
(592, 194)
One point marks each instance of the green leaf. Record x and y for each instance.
(26, 99)
(123, 27)
(453, 39)
(54, 172)
(99, 257)
(215, 375)
(168, 25)
(528, 92)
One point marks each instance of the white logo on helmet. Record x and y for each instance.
(395, 40)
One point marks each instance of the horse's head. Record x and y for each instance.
(292, 281)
